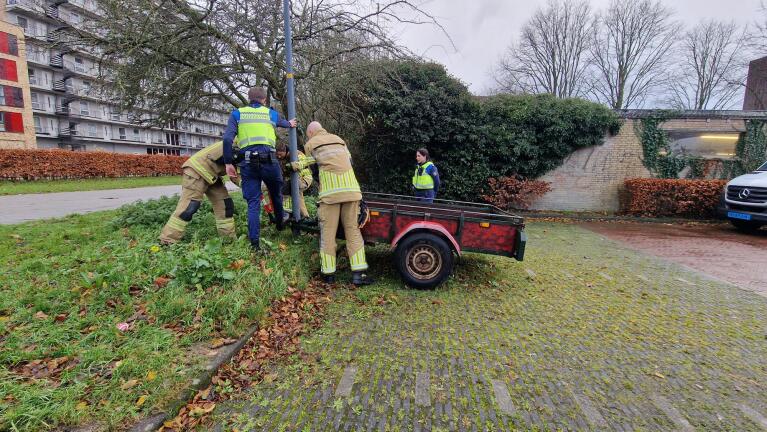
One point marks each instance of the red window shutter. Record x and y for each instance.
(4, 48)
(14, 122)
(10, 70)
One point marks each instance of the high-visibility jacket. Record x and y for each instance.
(337, 180)
(208, 162)
(255, 127)
(421, 179)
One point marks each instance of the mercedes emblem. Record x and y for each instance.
(744, 194)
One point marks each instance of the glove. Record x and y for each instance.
(295, 166)
(364, 216)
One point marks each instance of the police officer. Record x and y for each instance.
(202, 176)
(426, 177)
(339, 202)
(253, 126)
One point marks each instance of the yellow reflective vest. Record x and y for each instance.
(421, 179)
(255, 127)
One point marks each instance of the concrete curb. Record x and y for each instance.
(155, 421)
(613, 218)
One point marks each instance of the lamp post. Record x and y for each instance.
(292, 136)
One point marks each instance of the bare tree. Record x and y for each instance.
(712, 67)
(551, 55)
(181, 57)
(630, 50)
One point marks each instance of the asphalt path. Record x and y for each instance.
(16, 209)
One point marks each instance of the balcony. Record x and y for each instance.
(62, 110)
(68, 132)
(52, 12)
(59, 86)
(28, 5)
(57, 61)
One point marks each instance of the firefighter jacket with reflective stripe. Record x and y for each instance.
(208, 162)
(255, 127)
(422, 179)
(337, 180)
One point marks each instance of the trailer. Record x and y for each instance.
(426, 237)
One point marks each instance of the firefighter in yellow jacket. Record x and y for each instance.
(202, 175)
(339, 201)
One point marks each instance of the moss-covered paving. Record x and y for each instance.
(584, 334)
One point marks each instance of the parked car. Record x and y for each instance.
(745, 200)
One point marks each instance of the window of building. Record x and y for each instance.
(73, 128)
(8, 44)
(35, 98)
(2, 96)
(38, 125)
(23, 23)
(706, 145)
(85, 108)
(2, 121)
(92, 131)
(32, 77)
(86, 87)
(136, 135)
(79, 64)
(171, 139)
(123, 134)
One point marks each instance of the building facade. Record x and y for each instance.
(16, 121)
(756, 85)
(68, 111)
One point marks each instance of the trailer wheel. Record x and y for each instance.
(424, 260)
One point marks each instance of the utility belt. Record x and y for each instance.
(259, 157)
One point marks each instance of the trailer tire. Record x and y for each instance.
(424, 260)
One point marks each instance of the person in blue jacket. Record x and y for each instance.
(254, 127)
(426, 177)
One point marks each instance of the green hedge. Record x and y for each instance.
(410, 104)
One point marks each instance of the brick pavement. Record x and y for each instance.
(601, 338)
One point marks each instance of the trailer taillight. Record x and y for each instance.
(375, 213)
(484, 224)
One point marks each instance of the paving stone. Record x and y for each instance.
(502, 398)
(422, 396)
(672, 413)
(754, 416)
(590, 412)
(344, 388)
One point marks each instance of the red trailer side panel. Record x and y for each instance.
(495, 238)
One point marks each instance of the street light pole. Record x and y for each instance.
(292, 136)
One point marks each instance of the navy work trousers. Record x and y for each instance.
(425, 195)
(253, 173)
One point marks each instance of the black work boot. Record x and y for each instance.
(329, 278)
(360, 278)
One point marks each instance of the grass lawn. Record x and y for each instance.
(46, 186)
(66, 284)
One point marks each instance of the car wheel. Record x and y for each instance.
(424, 260)
(746, 226)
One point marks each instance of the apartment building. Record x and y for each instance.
(68, 111)
(16, 124)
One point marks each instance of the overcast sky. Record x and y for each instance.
(482, 29)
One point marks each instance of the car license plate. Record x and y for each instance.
(736, 215)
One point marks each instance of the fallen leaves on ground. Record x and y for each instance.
(48, 368)
(219, 342)
(289, 318)
(161, 281)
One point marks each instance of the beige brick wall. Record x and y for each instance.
(590, 179)
(9, 140)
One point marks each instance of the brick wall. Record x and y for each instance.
(24, 138)
(590, 179)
